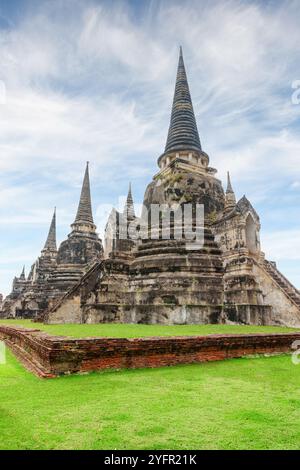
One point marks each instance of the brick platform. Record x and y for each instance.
(50, 356)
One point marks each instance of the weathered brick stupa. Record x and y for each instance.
(55, 271)
(157, 280)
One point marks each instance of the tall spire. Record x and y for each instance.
(183, 132)
(84, 211)
(230, 200)
(22, 276)
(229, 187)
(129, 206)
(50, 244)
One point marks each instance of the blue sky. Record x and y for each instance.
(94, 81)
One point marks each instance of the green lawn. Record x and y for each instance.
(132, 331)
(234, 404)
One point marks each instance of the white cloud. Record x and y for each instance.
(282, 245)
(94, 81)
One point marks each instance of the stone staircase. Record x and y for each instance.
(94, 268)
(285, 285)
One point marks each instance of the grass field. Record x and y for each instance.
(235, 404)
(133, 331)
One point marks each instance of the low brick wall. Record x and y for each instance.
(49, 356)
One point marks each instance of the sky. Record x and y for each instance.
(93, 81)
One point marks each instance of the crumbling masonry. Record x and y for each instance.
(154, 279)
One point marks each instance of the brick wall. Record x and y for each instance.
(49, 356)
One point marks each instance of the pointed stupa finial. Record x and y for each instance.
(183, 133)
(22, 276)
(129, 206)
(50, 244)
(84, 212)
(230, 200)
(229, 186)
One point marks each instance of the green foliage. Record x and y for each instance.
(177, 177)
(173, 178)
(188, 198)
(212, 217)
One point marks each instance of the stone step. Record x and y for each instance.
(285, 286)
